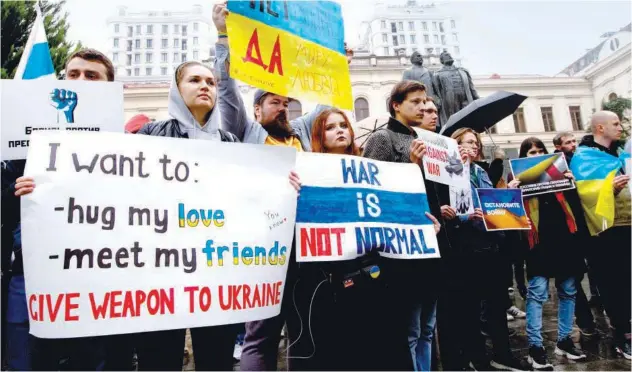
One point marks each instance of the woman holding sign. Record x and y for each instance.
(553, 252)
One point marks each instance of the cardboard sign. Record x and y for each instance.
(349, 206)
(291, 48)
(129, 233)
(542, 174)
(29, 106)
(503, 209)
(442, 162)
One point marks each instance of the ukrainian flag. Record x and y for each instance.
(594, 173)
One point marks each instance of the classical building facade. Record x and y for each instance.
(148, 46)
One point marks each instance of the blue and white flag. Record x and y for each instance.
(36, 62)
(349, 206)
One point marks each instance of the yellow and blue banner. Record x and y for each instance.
(541, 174)
(503, 209)
(291, 48)
(594, 173)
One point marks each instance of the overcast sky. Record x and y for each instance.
(504, 37)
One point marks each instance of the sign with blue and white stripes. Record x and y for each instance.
(350, 205)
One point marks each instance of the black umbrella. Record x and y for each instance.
(483, 113)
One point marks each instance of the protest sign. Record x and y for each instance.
(291, 48)
(442, 162)
(349, 206)
(46, 105)
(461, 196)
(128, 233)
(503, 209)
(541, 174)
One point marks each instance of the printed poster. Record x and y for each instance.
(442, 162)
(542, 174)
(461, 196)
(503, 209)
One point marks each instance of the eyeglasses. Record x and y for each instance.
(431, 111)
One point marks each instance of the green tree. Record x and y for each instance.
(17, 21)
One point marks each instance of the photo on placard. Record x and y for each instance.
(461, 196)
(503, 209)
(542, 174)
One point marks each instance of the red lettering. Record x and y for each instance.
(275, 58)
(277, 293)
(53, 311)
(41, 308)
(256, 297)
(167, 301)
(99, 311)
(308, 242)
(224, 305)
(254, 44)
(71, 306)
(433, 169)
(324, 245)
(268, 295)
(128, 305)
(155, 307)
(140, 300)
(191, 291)
(205, 298)
(337, 231)
(33, 314)
(247, 303)
(114, 304)
(235, 293)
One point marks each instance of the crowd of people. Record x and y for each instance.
(387, 324)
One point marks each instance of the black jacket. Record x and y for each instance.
(11, 232)
(170, 128)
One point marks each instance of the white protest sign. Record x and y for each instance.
(161, 234)
(461, 196)
(29, 106)
(442, 162)
(350, 205)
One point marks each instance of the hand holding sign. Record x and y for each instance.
(24, 186)
(417, 151)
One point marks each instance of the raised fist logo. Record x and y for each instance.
(65, 101)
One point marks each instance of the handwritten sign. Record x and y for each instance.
(349, 206)
(503, 209)
(542, 174)
(129, 233)
(442, 162)
(291, 48)
(29, 106)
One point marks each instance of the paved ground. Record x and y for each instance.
(600, 351)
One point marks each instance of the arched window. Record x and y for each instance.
(361, 107)
(296, 109)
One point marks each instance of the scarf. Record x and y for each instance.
(532, 208)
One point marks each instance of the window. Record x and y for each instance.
(163, 71)
(164, 57)
(137, 43)
(413, 40)
(453, 24)
(196, 40)
(361, 109)
(427, 38)
(434, 26)
(165, 29)
(384, 38)
(547, 119)
(129, 72)
(148, 57)
(196, 27)
(175, 57)
(296, 109)
(148, 71)
(184, 44)
(402, 39)
(429, 50)
(400, 26)
(393, 27)
(443, 39)
(425, 26)
(455, 38)
(411, 26)
(176, 43)
(115, 57)
(441, 27)
(184, 30)
(493, 130)
(129, 45)
(385, 51)
(137, 58)
(138, 30)
(150, 29)
(518, 119)
(457, 50)
(129, 60)
(438, 51)
(576, 117)
(436, 39)
(116, 28)
(176, 29)
(184, 57)
(395, 43)
(150, 43)
(196, 55)
(165, 43)
(136, 71)
(116, 42)
(130, 31)
(383, 25)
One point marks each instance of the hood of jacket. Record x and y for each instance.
(179, 111)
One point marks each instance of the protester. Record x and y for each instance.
(26, 352)
(552, 253)
(431, 116)
(332, 133)
(565, 142)
(475, 254)
(611, 261)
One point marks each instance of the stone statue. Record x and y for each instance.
(421, 74)
(454, 86)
